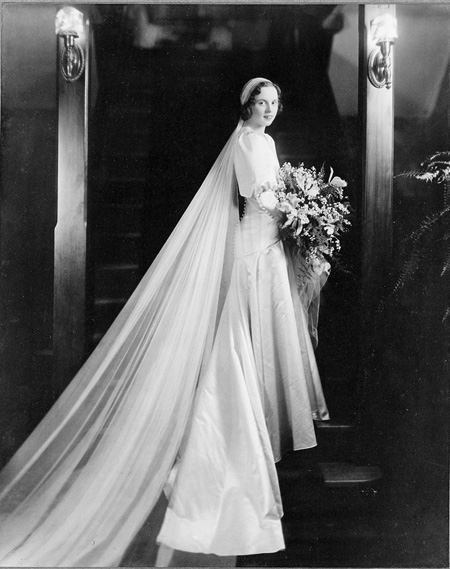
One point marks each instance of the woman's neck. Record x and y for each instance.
(255, 128)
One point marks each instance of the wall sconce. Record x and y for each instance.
(379, 67)
(69, 25)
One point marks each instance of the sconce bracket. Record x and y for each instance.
(72, 58)
(379, 69)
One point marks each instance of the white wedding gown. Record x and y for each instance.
(259, 394)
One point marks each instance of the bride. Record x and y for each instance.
(206, 377)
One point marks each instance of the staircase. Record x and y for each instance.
(330, 502)
(119, 182)
(331, 516)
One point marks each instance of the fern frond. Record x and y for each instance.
(433, 231)
(418, 175)
(409, 174)
(427, 224)
(438, 163)
(446, 265)
(416, 249)
(409, 268)
(447, 193)
(434, 168)
(442, 155)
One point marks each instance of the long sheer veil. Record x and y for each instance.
(84, 482)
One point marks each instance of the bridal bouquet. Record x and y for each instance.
(315, 210)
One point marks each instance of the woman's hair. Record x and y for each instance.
(246, 108)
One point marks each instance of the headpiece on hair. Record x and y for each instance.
(249, 86)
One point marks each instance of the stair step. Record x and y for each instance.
(116, 280)
(310, 488)
(142, 98)
(311, 499)
(333, 427)
(124, 152)
(128, 110)
(136, 116)
(96, 337)
(118, 267)
(116, 248)
(335, 440)
(119, 179)
(131, 235)
(105, 312)
(126, 165)
(124, 137)
(123, 190)
(111, 301)
(331, 528)
(347, 475)
(334, 443)
(322, 543)
(119, 218)
(134, 131)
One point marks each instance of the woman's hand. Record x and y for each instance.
(268, 200)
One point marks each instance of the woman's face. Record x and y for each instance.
(265, 108)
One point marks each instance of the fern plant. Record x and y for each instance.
(434, 230)
(394, 343)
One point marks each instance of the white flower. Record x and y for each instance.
(320, 265)
(286, 207)
(300, 180)
(302, 216)
(293, 199)
(313, 190)
(338, 182)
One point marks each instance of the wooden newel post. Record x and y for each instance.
(69, 328)
(376, 110)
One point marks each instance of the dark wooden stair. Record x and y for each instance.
(119, 186)
(330, 505)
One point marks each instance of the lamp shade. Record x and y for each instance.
(384, 28)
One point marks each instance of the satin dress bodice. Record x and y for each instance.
(256, 165)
